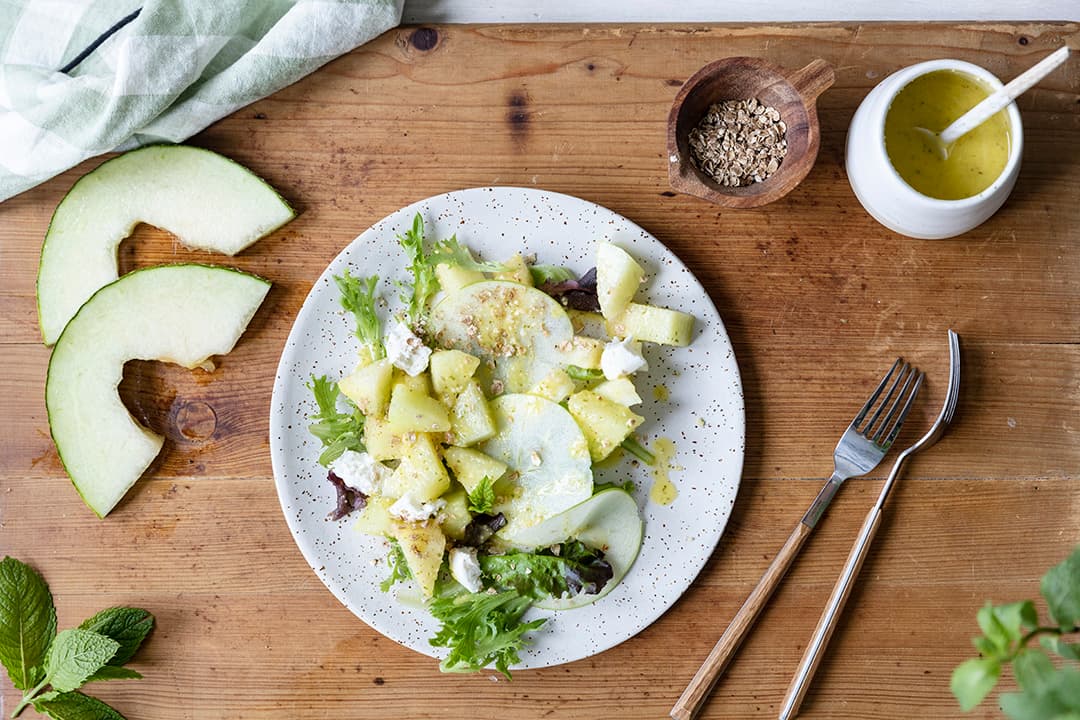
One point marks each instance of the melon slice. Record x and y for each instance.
(608, 521)
(542, 444)
(208, 201)
(176, 313)
(517, 330)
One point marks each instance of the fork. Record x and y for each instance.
(860, 450)
(823, 632)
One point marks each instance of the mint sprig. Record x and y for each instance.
(49, 667)
(1047, 689)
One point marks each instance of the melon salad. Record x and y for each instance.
(467, 433)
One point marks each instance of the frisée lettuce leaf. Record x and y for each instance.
(482, 629)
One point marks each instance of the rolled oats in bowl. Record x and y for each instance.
(738, 142)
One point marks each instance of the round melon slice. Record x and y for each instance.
(547, 453)
(206, 200)
(608, 521)
(516, 329)
(176, 313)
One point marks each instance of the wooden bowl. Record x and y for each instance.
(793, 93)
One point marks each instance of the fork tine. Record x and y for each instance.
(873, 398)
(904, 372)
(879, 435)
(894, 431)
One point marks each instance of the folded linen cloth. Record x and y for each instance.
(82, 77)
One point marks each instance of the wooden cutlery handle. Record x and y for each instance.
(699, 688)
(815, 650)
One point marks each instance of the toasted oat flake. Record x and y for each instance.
(739, 142)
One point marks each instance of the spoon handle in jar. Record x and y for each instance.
(1000, 99)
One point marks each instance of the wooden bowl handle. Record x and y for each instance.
(812, 80)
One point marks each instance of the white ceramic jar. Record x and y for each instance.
(885, 195)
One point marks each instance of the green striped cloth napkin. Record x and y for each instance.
(82, 77)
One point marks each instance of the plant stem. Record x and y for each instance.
(29, 697)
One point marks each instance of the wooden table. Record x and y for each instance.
(817, 298)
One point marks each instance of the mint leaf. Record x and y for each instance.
(1055, 644)
(1061, 588)
(114, 672)
(126, 625)
(584, 374)
(973, 679)
(74, 706)
(482, 498)
(27, 622)
(1058, 698)
(550, 274)
(1033, 670)
(75, 655)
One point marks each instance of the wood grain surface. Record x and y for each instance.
(817, 298)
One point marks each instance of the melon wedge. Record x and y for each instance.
(541, 443)
(609, 521)
(208, 201)
(176, 313)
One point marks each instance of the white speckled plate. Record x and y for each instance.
(703, 414)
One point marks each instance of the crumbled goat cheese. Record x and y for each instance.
(406, 351)
(408, 508)
(621, 358)
(465, 568)
(360, 471)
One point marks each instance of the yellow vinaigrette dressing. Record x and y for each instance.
(663, 491)
(933, 101)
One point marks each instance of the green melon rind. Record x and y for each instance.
(136, 305)
(609, 520)
(70, 269)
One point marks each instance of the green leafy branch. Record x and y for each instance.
(1048, 691)
(50, 667)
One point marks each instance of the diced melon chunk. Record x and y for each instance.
(369, 386)
(472, 466)
(453, 277)
(604, 422)
(420, 471)
(621, 391)
(617, 279)
(556, 387)
(653, 324)
(375, 518)
(455, 516)
(412, 410)
(380, 440)
(450, 370)
(423, 545)
(470, 418)
(517, 270)
(585, 352)
(417, 383)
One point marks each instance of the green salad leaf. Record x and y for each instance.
(482, 629)
(358, 297)
(338, 431)
(424, 283)
(75, 655)
(542, 274)
(451, 252)
(584, 374)
(399, 567)
(559, 571)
